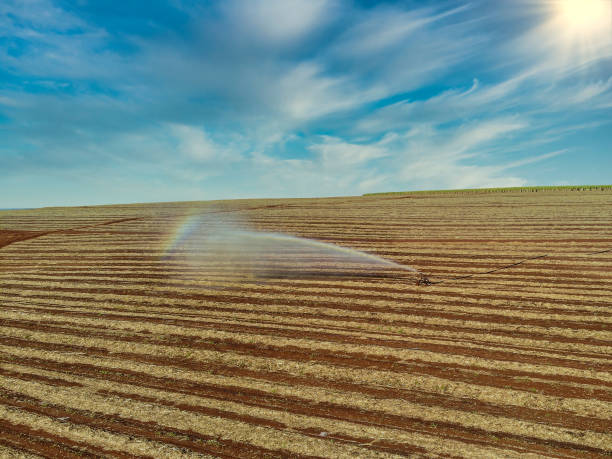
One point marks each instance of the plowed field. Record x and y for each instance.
(108, 349)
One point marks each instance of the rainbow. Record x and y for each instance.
(205, 237)
(184, 229)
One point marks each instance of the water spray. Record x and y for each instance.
(233, 250)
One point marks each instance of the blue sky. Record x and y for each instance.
(140, 101)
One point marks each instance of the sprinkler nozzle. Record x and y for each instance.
(423, 280)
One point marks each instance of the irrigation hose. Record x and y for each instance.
(424, 280)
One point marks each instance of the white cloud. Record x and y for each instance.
(437, 158)
(335, 153)
(9, 101)
(424, 157)
(452, 104)
(39, 14)
(337, 167)
(385, 27)
(469, 137)
(59, 44)
(306, 92)
(590, 91)
(194, 143)
(533, 159)
(452, 175)
(373, 182)
(379, 30)
(279, 21)
(461, 176)
(403, 49)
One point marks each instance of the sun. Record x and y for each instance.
(584, 17)
(577, 33)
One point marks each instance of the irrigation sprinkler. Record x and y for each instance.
(423, 280)
(203, 242)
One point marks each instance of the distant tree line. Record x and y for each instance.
(520, 189)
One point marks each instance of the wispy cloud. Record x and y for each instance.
(196, 144)
(591, 91)
(460, 155)
(279, 22)
(337, 154)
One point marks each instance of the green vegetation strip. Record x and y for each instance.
(521, 189)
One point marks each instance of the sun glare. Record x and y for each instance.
(585, 17)
(577, 33)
